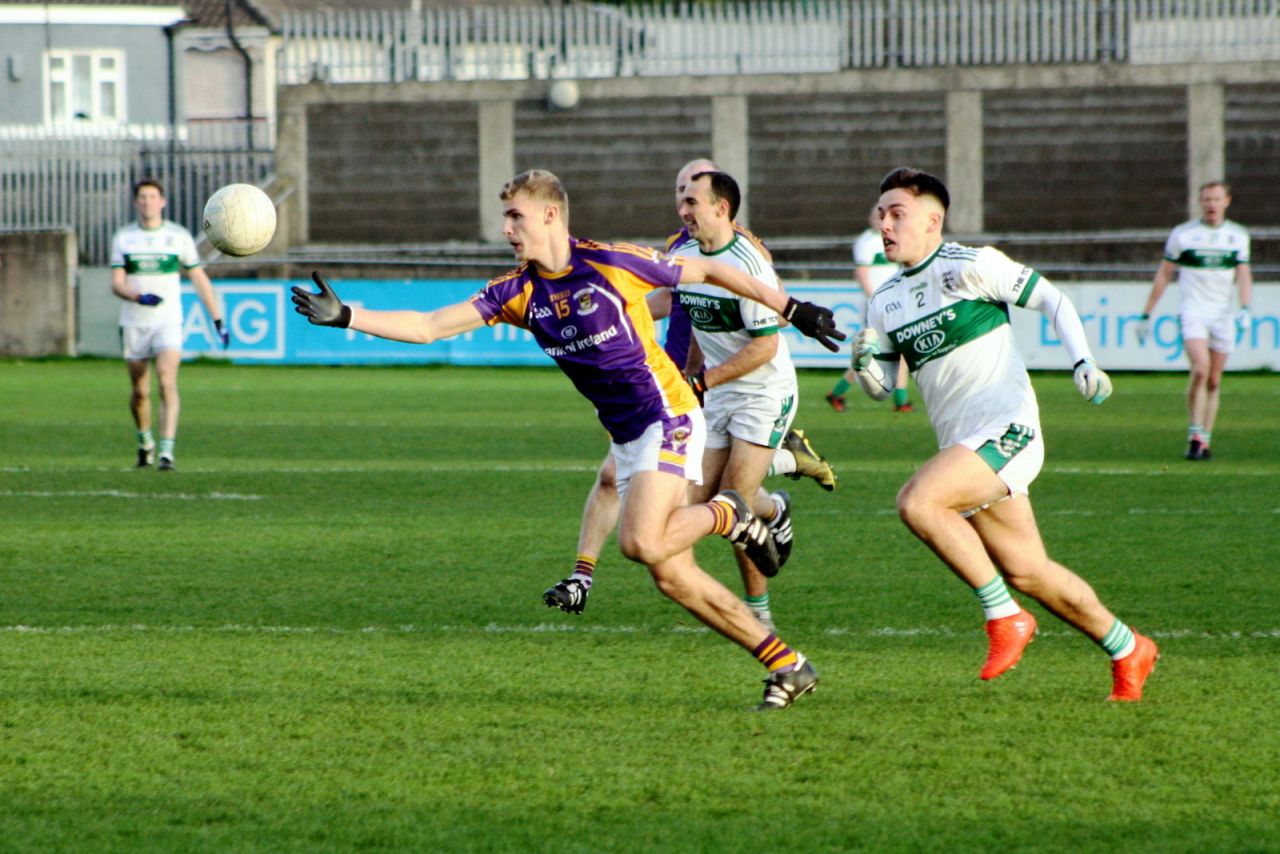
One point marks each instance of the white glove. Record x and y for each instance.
(866, 346)
(1092, 381)
(1243, 321)
(1144, 329)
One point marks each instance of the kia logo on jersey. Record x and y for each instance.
(929, 342)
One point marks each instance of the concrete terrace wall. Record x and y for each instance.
(1025, 148)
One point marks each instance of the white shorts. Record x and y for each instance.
(674, 445)
(1221, 330)
(753, 417)
(1015, 452)
(146, 342)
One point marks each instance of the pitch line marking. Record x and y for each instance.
(119, 493)
(569, 628)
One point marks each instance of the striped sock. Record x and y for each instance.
(583, 570)
(1205, 436)
(995, 599)
(725, 515)
(1194, 431)
(775, 655)
(166, 448)
(145, 439)
(841, 388)
(900, 396)
(1118, 641)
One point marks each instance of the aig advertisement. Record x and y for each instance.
(265, 329)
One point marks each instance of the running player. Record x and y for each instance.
(146, 257)
(740, 368)
(948, 314)
(1209, 256)
(583, 302)
(871, 270)
(795, 457)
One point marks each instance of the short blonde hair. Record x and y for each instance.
(540, 185)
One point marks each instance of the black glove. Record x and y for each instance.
(149, 299)
(698, 382)
(814, 321)
(224, 333)
(324, 308)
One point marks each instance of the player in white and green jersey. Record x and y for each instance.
(147, 260)
(1210, 257)
(947, 313)
(872, 269)
(739, 364)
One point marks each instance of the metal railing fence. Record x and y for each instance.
(84, 182)
(770, 36)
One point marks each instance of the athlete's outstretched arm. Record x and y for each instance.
(415, 327)
(1092, 381)
(812, 320)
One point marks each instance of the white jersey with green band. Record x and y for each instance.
(724, 323)
(153, 260)
(949, 317)
(868, 251)
(1207, 258)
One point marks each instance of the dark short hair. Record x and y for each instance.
(723, 187)
(917, 182)
(1226, 188)
(148, 182)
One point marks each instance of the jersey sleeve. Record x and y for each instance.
(117, 251)
(188, 257)
(995, 276)
(1243, 256)
(503, 300)
(864, 250)
(1173, 247)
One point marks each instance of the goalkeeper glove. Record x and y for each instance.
(148, 299)
(698, 382)
(324, 308)
(1092, 381)
(866, 346)
(224, 333)
(1144, 328)
(1243, 321)
(814, 321)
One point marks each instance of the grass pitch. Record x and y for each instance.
(324, 633)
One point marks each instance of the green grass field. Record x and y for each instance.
(324, 633)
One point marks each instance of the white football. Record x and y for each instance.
(240, 219)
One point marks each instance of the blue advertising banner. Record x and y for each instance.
(266, 329)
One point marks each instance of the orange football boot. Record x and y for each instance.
(1130, 673)
(1008, 636)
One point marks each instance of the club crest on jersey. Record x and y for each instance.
(569, 332)
(949, 282)
(586, 305)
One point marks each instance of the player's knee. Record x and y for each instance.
(637, 548)
(913, 507)
(1212, 382)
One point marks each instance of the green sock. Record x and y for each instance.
(145, 440)
(759, 605)
(166, 447)
(841, 388)
(995, 599)
(1205, 436)
(1118, 641)
(899, 397)
(1193, 430)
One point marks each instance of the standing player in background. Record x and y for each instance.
(872, 270)
(795, 458)
(948, 314)
(584, 304)
(146, 258)
(1209, 256)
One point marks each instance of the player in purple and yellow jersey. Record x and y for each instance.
(795, 457)
(584, 304)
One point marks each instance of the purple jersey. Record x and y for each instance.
(592, 319)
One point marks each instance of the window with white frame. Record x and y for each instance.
(84, 85)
